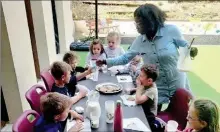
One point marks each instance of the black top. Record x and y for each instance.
(80, 70)
(69, 89)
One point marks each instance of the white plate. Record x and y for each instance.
(109, 84)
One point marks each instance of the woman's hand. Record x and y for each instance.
(77, 127)
(100, 62)
(133, 68)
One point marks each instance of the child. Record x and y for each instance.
(71, 58)
(203, 116)
(133, 67)
(64, 82)
(96, 52)
(146, 93)
(56, 108)
(113, 49)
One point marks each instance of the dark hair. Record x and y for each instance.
(149, 18)
(59, 68)
(208, 111)
(151, 71)
(69, 57)
(95, 42)
(53, 104)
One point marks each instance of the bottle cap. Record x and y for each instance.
(118, 102)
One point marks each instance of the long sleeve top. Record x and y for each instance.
(163, 52)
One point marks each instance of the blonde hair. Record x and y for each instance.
(59, 68)
(53, 104)
(114, 34)
(207, 111)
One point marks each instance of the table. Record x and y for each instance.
(128, 112)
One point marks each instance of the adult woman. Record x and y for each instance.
(158, 44)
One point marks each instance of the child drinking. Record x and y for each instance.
(96, 52)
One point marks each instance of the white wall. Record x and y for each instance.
(65, 24)
(18, 72)
(44, 32)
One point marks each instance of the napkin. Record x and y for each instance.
(115, 68)
(125, 78)
(127, 102)
(86, 125)
(135, 124)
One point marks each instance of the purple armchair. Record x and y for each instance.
(33, 96)
(26, 122)
(48, 79)
(178, 108)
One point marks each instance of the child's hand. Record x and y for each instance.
(77, 127)
(79, 117)
(76, 115)
(89, 71)
(82, 92)
(138, 82)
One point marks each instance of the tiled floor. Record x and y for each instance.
(7, 128)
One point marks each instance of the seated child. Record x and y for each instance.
(113, 49)
(96, 52)
(133, 67)
(146, 93)
(72, 59)
(64, 82)
(56, 108)
(203, 116)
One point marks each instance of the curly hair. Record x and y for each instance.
(95, 42)
(208, 111)
(149, 18)
(151, 71)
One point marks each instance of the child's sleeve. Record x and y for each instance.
(73, 80)
(150, 93)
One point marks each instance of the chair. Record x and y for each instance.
(33, 96)
(178, 108)
(26, 122)
(48, 79)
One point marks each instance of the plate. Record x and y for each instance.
(107, 88)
